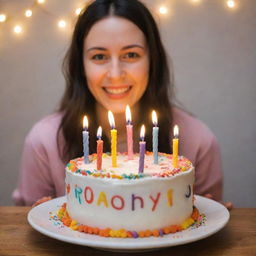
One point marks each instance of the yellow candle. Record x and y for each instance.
(113, 147)
(113, 134)
(175, 147)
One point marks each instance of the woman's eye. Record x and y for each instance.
(99, 57)
(131, 55)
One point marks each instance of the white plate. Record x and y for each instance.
(217, 217)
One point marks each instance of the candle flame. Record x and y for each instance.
(99, 132)
(176, 131)
(111, 119)
(142, 132)
(85, 123)
(154, 118)
(128, 114)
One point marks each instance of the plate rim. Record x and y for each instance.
(114, 243)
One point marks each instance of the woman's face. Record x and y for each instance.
(116, 63)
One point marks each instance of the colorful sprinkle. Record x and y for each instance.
(183, 162)
(194, 221)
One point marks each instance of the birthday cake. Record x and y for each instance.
(121, 202)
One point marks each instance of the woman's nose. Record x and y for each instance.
(115, 70)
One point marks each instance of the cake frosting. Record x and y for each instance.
(120, 198)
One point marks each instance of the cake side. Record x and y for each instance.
(130, 204)
(152, 201)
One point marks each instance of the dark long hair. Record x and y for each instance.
(78, 100)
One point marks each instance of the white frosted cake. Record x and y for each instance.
(120, 202)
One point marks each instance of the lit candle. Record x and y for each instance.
(86, 140)
(142, 149)
(113, 134)
(175, 146)
(155, 137)
(99, 148)
(129, 130)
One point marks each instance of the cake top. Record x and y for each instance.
(128, 169)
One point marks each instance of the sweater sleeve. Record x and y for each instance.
(35, 179)
(208, 169)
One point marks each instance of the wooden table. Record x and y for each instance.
(18, 238)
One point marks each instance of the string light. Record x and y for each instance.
(17, 29)
(231, 3)
(28, 13)
(41, 1)
(195, 1)
(2, 17)
(62, 23)
(78, 11)
(163, 9)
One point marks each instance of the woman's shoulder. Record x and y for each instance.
(194, 132)
(189, 122)
(45, 130)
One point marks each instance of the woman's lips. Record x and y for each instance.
(117, 92)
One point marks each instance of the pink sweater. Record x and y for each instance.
(42, 171)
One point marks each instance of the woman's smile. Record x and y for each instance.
(117, 92)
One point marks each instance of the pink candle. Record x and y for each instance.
(142, 149)
(129, 130)
(99, 149)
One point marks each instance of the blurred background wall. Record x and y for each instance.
(213, 51)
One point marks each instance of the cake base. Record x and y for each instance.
(122, 233)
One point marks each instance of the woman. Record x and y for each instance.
(116, 58)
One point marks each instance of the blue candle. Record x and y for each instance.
(155, 137)
(86, 140)
(142, 149)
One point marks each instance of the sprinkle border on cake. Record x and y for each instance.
(184, 165)
(196, 219)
